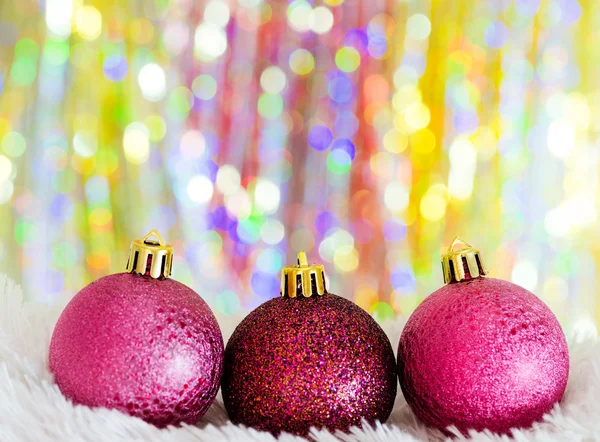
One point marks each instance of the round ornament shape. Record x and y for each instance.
(308, 359)
(140, 343)
(481, 353)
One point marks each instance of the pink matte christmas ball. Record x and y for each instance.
(299, 362)
(148, 347)
(482, 354)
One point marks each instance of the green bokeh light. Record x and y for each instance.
(179, 103)
(339, 162)
(270, 106)
(56, 51)
(64, 255)
(23, 71)
(27, 48)
(13, 144)
(347, 59)
(382, 312)
(25, 231)
(249, 230)
(228, 303)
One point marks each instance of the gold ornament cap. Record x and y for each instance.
(151, 257)
(305, 279)
(457, 262)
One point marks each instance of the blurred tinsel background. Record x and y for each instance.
(367, 133)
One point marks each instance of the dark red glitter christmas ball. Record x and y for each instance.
(299, 362)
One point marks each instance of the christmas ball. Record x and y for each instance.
(308, 358)
(481, 353)
(140, 343)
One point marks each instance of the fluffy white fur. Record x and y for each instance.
(33, 409)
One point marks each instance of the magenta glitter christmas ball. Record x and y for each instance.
(481, 353)
(315, 359)
(140, 343)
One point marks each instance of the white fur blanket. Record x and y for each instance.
(33, 409)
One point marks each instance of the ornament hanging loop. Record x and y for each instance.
(458, 241)
(150, 257)
(154, 233)
(306, 279)
(462, 263)
(302, 261)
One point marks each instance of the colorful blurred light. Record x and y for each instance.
(366, 134)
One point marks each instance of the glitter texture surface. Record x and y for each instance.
(150, 348)
(483, 353)
(302, 362)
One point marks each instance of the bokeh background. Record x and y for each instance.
(367, 133)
